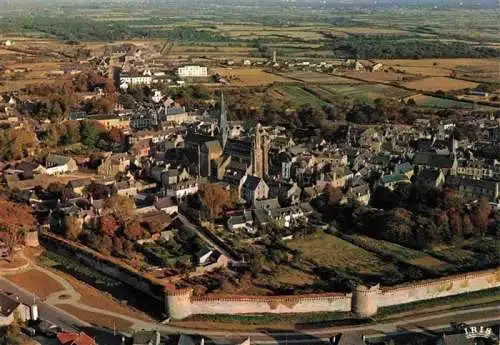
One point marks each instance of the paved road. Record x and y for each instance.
(47, 312)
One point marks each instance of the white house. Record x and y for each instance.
(57, 164)
(144, 78)
(183, 189)
(192, 71)
(157, 97)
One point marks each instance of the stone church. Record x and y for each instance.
(220, 156)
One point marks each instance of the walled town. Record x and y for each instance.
(159, 193)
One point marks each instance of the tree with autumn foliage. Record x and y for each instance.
(480, 214)
(134, 231)
(15, 220)
(121, 208)
(109, 226)
(214, 198)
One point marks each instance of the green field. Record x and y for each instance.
(367, 92)
(332, 252)
(399, 253)
(434, 102)
(298, 95)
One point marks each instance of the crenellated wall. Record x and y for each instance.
(270, 304)
(453, 285)
(363, 301)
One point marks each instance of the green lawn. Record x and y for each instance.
(330, 251)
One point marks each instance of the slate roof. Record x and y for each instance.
(238, 147)
(361, 189)
(433, 160)
(164, 202)
(267, 204)
(186, 340)
(381, 160)
(403, 168)
(80, 183)
(428, 175)
(251, 182)
(393, 178)
(7, 305)
(146, 338)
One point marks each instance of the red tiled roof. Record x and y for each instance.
(70, 338)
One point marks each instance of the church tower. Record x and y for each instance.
(260, 153)
(223, 125)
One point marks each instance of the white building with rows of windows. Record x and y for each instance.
(192, 71)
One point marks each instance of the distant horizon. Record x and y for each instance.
(326, 3)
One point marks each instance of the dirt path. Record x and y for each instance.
(68, 295)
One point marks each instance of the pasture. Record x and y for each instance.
(434, 84)
(248, 76)
(434, 102)
(368, 92)
(318, 78)
(298, 95)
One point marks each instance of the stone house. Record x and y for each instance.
(166, 204)
(405, 169)
(10, 307)
(78, 186)
(447, 163)
(59, 164)
(126, 188)
(241, 220)
(475, 169)
(360, 193)
(253, 188)
(114, 164)
(475, 189)
(183, 188)
(430, 178)
(340, 177)
(391, 181)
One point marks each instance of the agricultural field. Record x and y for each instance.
(317, 78)
(297, 94)
(379, 76)
(368, 92)
(248, 76)
(479, 70)
(434, 84)
(434, 102)
(367, 31)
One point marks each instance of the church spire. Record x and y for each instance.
(223, 126)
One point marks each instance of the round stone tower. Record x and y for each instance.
(365, 300)
(178, 303)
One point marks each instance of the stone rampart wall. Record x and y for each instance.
(449, 286)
